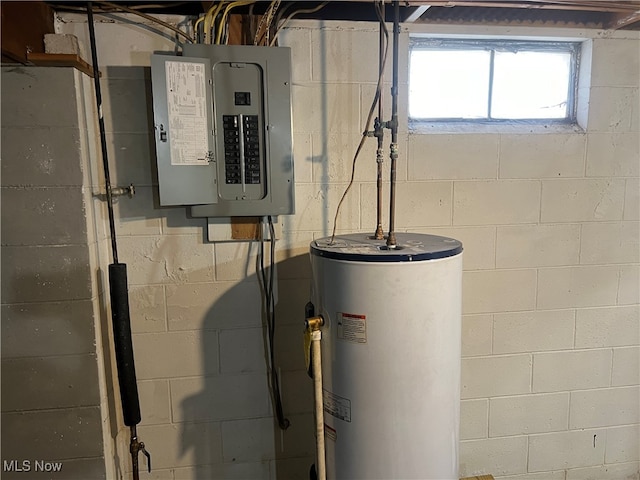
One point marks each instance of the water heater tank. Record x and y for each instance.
(390, 355)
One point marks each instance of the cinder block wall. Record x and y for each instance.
(550, 226)
(53, 388)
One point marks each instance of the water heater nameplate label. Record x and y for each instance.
(336, 405)
(187, 109)
(352, 328)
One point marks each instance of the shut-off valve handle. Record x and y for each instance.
(135, 447)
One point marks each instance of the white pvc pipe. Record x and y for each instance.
(316, 336)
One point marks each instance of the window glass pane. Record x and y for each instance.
(530, 84)
(449, 84)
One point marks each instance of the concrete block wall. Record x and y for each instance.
(549, 219)
(53, 387)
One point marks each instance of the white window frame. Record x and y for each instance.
(493, 45)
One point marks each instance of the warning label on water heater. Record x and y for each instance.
(330, 433)
(336, 405)
(352, 328)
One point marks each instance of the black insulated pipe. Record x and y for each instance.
(123, 344)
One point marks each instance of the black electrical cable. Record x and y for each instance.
(268, 282)
(282, 421)
(103, 140)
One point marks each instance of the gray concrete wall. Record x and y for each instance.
(51, 387)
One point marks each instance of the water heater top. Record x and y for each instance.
(411, 247)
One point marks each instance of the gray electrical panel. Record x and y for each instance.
(222, 118)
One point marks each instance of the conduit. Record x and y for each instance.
(119, 296)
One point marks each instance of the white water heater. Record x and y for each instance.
(390, 355)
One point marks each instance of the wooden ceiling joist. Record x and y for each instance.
(614, 7)
(624, 20)
(611, 14)
(416, 13)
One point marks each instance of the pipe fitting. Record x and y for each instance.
(391, 240)
(130, 191)
(136, 446)
(314, 323)
(393, 154)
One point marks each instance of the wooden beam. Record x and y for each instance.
(23, 27)
(246, 228)
(60, 60)
(623, 20)
(416, 13)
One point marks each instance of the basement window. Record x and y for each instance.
(492, 81)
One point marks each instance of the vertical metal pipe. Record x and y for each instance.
(134, 455)
(103, 140)
(379, 128)
(119, 292)
(391, 239)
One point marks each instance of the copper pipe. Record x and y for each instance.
(135, 446)
(391, 239)
(379, 129)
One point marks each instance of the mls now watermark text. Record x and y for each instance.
(30, 466)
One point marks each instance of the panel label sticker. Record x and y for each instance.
(336, 405)
(352, 328)
(186, 104)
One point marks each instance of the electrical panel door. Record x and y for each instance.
(249, 121)
(183, 125)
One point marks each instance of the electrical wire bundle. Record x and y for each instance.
(264, 27)
(109, 8)
(280, 26)
(213, 26)
(267, 283)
